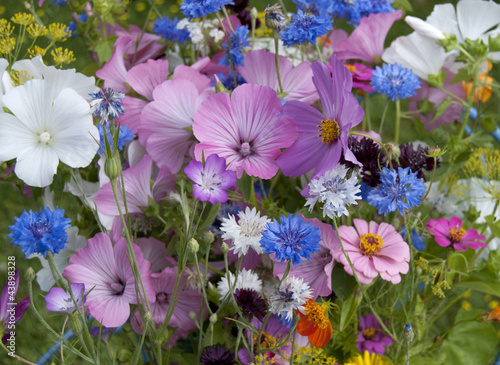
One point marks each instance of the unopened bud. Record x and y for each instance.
(434, 152)
(408, 334)
(76, 324)
(113, 166)
(394, 151)
(29, 275)
(213, 318)
(254, 13)
(208, 237)
(148, 318)
(193, 316)
(224, 248)
(274, 18)
(193, 245)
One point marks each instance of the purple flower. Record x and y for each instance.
(59, 300)
(370, 336)
(322, 137)
(211, 181)
(10, 312)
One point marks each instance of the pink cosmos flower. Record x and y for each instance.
(366, 42)
(106, 270)
(371, 336)
(450, 232)
(245, 129)
(260, 68)
(322, 137)
(374, 249)
(317, 271)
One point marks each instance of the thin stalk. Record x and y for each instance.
(319, 52)
(398, 122)
(277, 58)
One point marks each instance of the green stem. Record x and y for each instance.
(319, 52)
(470, 100)
(398, 122)
(277, 59)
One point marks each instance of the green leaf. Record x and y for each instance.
(245, 185)
(343, 283)
(457, 263)
(349, 310)
(105, 49)
(488, 122)
(482, 281)
(470, 343)
(404, 5)
(441, 109)
(464, 74)
(495, 227)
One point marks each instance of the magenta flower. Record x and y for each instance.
(59, 300)
(260, 68)
(109, 282)
(450, 232)
(366, 42)
(10, 312)
(371, 337)
(317, 271)
(245, 129)
(374, 249)
(211, 181)
(322, 138)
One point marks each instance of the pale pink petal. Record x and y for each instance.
(146, 76)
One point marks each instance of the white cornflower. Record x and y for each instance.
(292, 294)
(247, 279)
(334, 191)
(43, 130)
(247, 232)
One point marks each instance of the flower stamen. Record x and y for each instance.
(370, 244)
(329, 130)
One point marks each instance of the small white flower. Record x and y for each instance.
(335, 191)
(216, 34)
(247, 232)
(292, 294)
(247, 279)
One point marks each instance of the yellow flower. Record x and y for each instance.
(59, 32)
(6, 28)
(35, 30)
(7, 45)
(35, 51)
(367, 359)
(61, 56)
(23, 19)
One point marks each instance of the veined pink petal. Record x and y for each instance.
(146, 76)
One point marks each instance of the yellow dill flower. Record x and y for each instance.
(6, 28)
(61, 56)
(466, 305)
(23, 19)
(160, 2)
(59, 32)
(20, 77)
(140, 6)
(367, 359)
(36, 30)
(174, 9)
(2, 9)
(7, 45)
(35, 51)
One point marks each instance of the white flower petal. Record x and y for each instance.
(475, 17)
(37, 166)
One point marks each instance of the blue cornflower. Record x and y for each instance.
(291, 239)
(305, 28)
(416, 240)
(167, 29)
(349, 9)
(107, 104)
(72, 28)
(39, 232)
(317, 7)
(124, 135)
(368, 7)
(395, 81)
(228, 81)
(200, 8)
(59, 3)
(399, 190)
(83, 17)
(238, 40)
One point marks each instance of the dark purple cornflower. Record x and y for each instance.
(415, 159)
(250, 303)
(217, 355)
(211, 181)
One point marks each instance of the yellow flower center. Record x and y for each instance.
(351, 68)
(456, 234)
(369, 333)
(370, 244)
(329, 130)
(316, 313)
(266, 341)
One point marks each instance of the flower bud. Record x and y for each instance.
(274, 18)
(208, 237)
(224, 248)
(408, 334)
(213, 318)
(76, 324)
(434, 152)
(192, 316)
(193, 245)
(113, 166)
(29, 275)
(394, 151)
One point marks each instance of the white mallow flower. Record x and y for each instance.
(245, 233)
(75, 242)
(291, 295)
(5, 81)
(247, 279)
(42, 130)
(473, 19)
(334, 191)
(58, 79)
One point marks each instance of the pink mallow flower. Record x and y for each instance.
(109, 282)
(10, 312)
(450, 232)
(322, 137)
(371, 336)
(245, 129)
(260, 68)
(211, 181)
(374, 249)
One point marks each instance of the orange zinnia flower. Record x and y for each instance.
(494, 315)
(315, 324)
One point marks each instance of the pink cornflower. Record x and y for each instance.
(245, 129)
(374, 249)
(260, 68)
(322, 137)
(109, 282)
(450, 232)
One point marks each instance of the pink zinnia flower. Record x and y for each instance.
(371, 337)
(260, 68)
(450, 232)
(322, 137)
(109, 282)
(374, 249)
(317, 271)
(245, 129)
